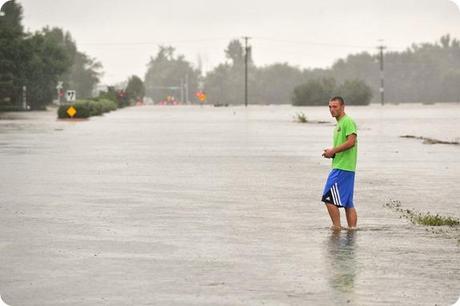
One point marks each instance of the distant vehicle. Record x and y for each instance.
(139, 101)
(148, 101)
(170, 100)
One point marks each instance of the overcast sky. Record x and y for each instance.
(123, 35)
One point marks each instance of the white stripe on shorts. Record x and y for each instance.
(338, 193)
(334, 196)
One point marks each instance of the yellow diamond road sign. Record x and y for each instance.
(71, 111)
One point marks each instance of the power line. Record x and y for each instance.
(151, 42)
(328, 44)
(300, 42)
(267, 39)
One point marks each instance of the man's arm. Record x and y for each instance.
(351, 141)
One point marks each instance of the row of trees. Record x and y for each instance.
(170, 75)
(274, 84)
(31, 64)
(319, 91)
(428, 72)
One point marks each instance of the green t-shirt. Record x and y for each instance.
(345, 160)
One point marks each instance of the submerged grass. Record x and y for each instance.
(426, 219)
(435, 220)
(300, 117)
(427, 140)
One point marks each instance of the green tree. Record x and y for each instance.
(235, 52)
(275, 83)
(13, 55)
(135, 88)
(424, 72)
(314, 92)
(166, 75)
(38, 61)
(218, 86)
(83, 75)
(83, 72)
(225, 83)
(48, 61)
(355, 92)
(362, 66)
(11, 18)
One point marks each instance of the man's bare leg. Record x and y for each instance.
(334, 213)
(352, 217)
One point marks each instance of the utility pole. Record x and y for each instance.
(181, 90)
(186, 89)
(382, 88)
(246, 51)
(24, 98)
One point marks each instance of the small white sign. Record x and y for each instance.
(71, 95)
(59, 85)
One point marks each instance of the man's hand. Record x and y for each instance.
(329, 153)
(351, 141)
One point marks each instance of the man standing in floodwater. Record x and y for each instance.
(338, 191)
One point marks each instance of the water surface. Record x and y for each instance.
(220, 206)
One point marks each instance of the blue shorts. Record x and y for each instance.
(339, 188)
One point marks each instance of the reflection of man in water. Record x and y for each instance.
(341, 254)
(338, 191)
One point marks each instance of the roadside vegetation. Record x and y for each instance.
(87, 108)
(33, 64)
(426, 219)
(427, 140)
(316, 92)
(300, 117)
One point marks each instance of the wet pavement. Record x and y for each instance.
(189, 205)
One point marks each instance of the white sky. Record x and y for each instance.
(123, 35)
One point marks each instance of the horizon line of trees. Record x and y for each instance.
(426, 72)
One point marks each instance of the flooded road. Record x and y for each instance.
(189, 205)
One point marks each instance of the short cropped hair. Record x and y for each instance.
(338, 98)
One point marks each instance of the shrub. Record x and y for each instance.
(314, 92)
(300, 117)
(62, 111)
(108, 105)
(319, 91)
(355, 92)
(83, 109)
(87, 108)
(95, 108)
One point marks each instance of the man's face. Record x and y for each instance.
(336, 108)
